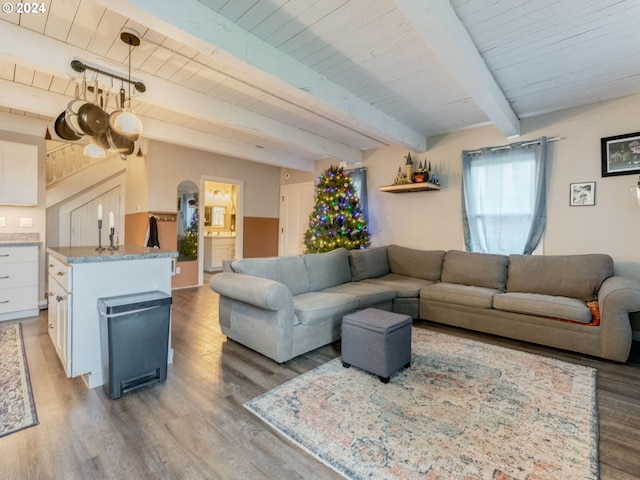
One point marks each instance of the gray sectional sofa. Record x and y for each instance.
(285, 306)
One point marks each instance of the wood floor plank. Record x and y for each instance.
(194, 425)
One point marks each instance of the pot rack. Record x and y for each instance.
(81, 67)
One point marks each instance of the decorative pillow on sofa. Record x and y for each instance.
(425, 264)
(368, 263)
(574, 276)
(327, 269)
(477, 269)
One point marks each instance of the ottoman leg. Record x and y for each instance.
(407, 365)
(346, 365)
(384, 379)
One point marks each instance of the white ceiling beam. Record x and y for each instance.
(442, 30)
(177, 135)
(192, 23)
(45, 54)
(24, 125)
(50, 104)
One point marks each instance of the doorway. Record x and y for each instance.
(222, 222)
(188, 219)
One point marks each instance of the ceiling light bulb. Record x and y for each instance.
(94, 150)
(127, 122)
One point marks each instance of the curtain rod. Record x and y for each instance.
(508, 147)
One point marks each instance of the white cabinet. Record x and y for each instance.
(216, 250)
(59, 310)
(18, 174)
(18, 281)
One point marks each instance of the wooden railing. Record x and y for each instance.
(68, 159)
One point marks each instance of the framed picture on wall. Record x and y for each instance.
(582, 194)
(621, 154)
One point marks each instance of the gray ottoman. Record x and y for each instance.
(376, 341)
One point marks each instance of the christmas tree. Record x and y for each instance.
(189, 249)
(337, 219)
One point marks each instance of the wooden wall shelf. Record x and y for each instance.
(410, 187)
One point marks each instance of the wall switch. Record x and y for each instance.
(26, 222)
(177, 270)
(2, 224)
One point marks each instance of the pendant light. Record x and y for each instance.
(126, 121)
(94, 150)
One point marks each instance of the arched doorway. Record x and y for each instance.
(188, 220)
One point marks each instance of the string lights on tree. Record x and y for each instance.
(337, 219)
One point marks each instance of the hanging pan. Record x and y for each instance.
(71, 117)
(64, 131)
(92, 119)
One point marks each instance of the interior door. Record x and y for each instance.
(84, 220)
(296, 204)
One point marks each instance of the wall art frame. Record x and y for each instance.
(582, 194)
(621, 154)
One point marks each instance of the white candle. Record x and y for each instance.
(112, 222)
(100, 212)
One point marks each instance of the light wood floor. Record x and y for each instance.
(194, 425)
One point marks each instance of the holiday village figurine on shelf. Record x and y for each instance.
(399, 180)
(419, 175)
(408, 167)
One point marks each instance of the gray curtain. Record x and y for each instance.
(504, 197)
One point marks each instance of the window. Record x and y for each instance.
(504, 197)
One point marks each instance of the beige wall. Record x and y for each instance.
(167, 165)
(433, 219)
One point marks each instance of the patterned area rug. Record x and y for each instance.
(463, 410)
(17, 408)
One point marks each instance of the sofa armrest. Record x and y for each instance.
(617, 297)
(256, 291)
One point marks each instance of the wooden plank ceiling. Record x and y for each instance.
(287, 82)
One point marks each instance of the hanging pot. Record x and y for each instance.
(102, 140)
(71, 116)
(93, 120)
(119, 107)
(64, 131)
(119, 142)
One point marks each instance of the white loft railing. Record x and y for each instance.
(67, 160)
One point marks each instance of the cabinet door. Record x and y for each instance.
(18, 174)
(59, 319)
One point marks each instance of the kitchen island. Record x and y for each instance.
(78, 277)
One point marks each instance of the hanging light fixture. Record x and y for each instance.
(94, 150)
(126, 121)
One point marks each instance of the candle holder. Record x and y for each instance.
(111, 247)
(100, 247)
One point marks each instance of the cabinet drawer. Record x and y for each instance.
(61, 272)
(16, 299)
(13, 275)
(18, 254)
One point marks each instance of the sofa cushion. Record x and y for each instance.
(317, 307)
(327, 269)
(543, 306)
(575, 276)
(425, 264)
(368, 263)
(290, 271)
(458, 294)
(368, 294)
(477, 269)
(405, 287)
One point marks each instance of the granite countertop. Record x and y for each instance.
(124, 252)
(19, 239)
